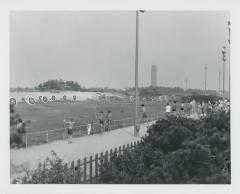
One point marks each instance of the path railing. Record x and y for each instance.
(45, 136)
(88, 170)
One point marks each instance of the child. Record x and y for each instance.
(168, 109)
(89, 129)
(101, 121)
(69, 129)
(109, 120)
(174, 108)
(144, 114)
(182, 109)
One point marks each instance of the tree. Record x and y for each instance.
(177, 151)
(17, 129)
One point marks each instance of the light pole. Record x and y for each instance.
(186, 82)
(136, 123)
(224, 63)
(229, 41)
(219, 83)
(205, 83)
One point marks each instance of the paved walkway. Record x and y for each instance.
(80, 148)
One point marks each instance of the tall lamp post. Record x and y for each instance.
(229, 41)
(224, 63)
(186, 84)
(219, 82)
(205, 83)
(136, 122)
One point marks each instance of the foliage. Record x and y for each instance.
(17, 133)
(52, 171)
(201, 98)
(177, 151)
(59, 85)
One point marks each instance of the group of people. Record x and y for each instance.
(191, 108)
(105, 121)
(197, 109)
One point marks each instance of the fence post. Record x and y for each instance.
(106, 157)
(47, 136)
(114, 124)
(96, 166)
(26, 141)
(92, 126)
(101, 162)
(134, 145)
(131, 146)
(79, 171)
(128, 147)
(85, 170)
(90, 169)
(111, 153)
(65, 170)
(72, 172)
(101, 159)
(119, 149)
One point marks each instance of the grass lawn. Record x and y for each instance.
(50, 116)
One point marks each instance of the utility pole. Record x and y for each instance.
(224, 64)
(186, 84)
(205, 83)
(229, 41)
(136, 122)
(219, 83)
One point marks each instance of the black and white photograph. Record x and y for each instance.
(120, 97)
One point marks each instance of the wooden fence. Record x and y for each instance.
(87, 171)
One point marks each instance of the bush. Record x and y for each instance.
(51, 171)
(177, 151)
(17, 133)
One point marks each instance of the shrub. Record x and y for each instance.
(17, 133)
(177, 151)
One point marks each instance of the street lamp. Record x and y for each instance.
(205, 83)
(136, 123)
(224, 62)
(229, 41)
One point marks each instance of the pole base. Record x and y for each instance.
(136, 130)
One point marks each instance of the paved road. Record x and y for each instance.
(80, 148)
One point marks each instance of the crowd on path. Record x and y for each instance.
(198, 109)
(191, 108)
(105, 121)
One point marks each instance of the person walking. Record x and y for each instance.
(144, 113)
(89, 129)
(174, 108)
(101, 122)
(69, 129)
(168, 109)
(109, 120)
(182, 109)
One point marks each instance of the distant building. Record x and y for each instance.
(154, 75)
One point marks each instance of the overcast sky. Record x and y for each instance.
(97, 48)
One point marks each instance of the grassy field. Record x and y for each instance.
(50, 116)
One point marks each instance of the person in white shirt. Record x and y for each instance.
(89, 129)
(168, 109)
